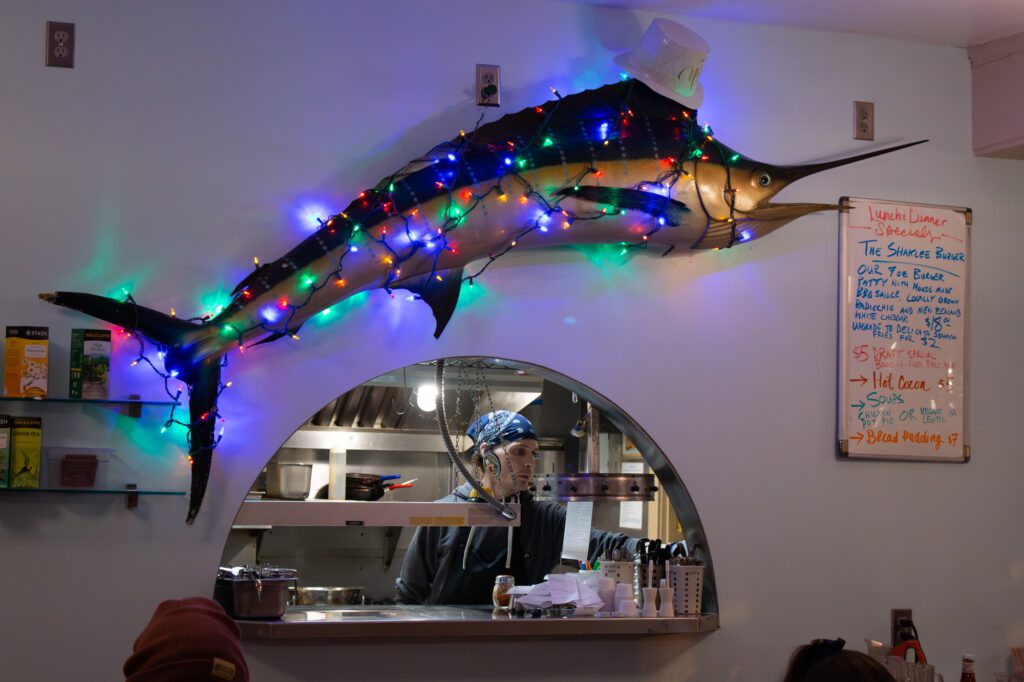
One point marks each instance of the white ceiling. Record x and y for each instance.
(946, 22)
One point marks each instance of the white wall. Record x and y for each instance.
(188, 134)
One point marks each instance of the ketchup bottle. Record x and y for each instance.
(967, 669)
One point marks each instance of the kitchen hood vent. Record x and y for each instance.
(389, 401)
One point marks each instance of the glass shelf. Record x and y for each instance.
(134, 405)
(87, 401)
(131, 493)
(92, 491)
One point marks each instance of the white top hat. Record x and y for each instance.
(669, 61)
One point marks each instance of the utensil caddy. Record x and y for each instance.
(688, 582)
(640, 580)
(622, 571)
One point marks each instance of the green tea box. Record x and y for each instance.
(5, 450)
(26, 362)
(90, 364)
(26, 451)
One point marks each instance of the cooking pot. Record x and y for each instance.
(328, 596)
(288, 481)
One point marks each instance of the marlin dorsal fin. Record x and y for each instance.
(440, 290)
(650, 203)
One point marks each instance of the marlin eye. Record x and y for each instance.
(763, 179)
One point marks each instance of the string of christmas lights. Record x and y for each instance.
(379, 204)
(170, 376)
(514, 158)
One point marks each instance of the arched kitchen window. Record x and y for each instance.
(340, 501)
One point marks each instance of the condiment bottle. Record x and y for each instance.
(499, 595)
(967, 669)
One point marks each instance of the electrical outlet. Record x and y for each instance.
(488, 85)
(863, 120)
(897, 625)
(60, 44)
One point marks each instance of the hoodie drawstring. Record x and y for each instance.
(508, 550)
(469, 541)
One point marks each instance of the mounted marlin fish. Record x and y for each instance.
(623, 164)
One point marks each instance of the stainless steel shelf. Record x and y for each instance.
(356, 622)
(352, 513)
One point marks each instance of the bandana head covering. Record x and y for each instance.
(500, 426)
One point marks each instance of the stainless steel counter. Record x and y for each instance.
(354, 622)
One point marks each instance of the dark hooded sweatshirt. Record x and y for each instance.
(432, 572)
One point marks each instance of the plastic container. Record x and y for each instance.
(77, 467)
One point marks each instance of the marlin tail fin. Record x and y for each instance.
(174, 336)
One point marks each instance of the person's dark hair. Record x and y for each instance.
(824, 660)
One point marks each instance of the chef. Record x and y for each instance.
(457, 565)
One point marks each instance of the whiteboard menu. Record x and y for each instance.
(902, 337)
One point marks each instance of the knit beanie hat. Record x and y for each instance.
(188, 639)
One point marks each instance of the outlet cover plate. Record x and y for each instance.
(488, 85)
(60, 44)
(894, 616)
(863, 120)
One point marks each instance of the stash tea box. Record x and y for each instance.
(26, 362)
(26, 451)
(90, 364)
(5, 450)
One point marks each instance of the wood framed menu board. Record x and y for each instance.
(903, 293)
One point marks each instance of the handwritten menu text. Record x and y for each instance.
(904, 298)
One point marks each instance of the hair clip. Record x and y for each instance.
(820, 649)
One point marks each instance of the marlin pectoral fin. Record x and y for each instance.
(651, 203)
(441, 292)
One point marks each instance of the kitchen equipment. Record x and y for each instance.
(650, 597)
(288, 481)
(368, 479)
(328, 596)
(254, 592)
(367, 487)
(688, 582)
(666, 597)
(364, 493)
(592, 486)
